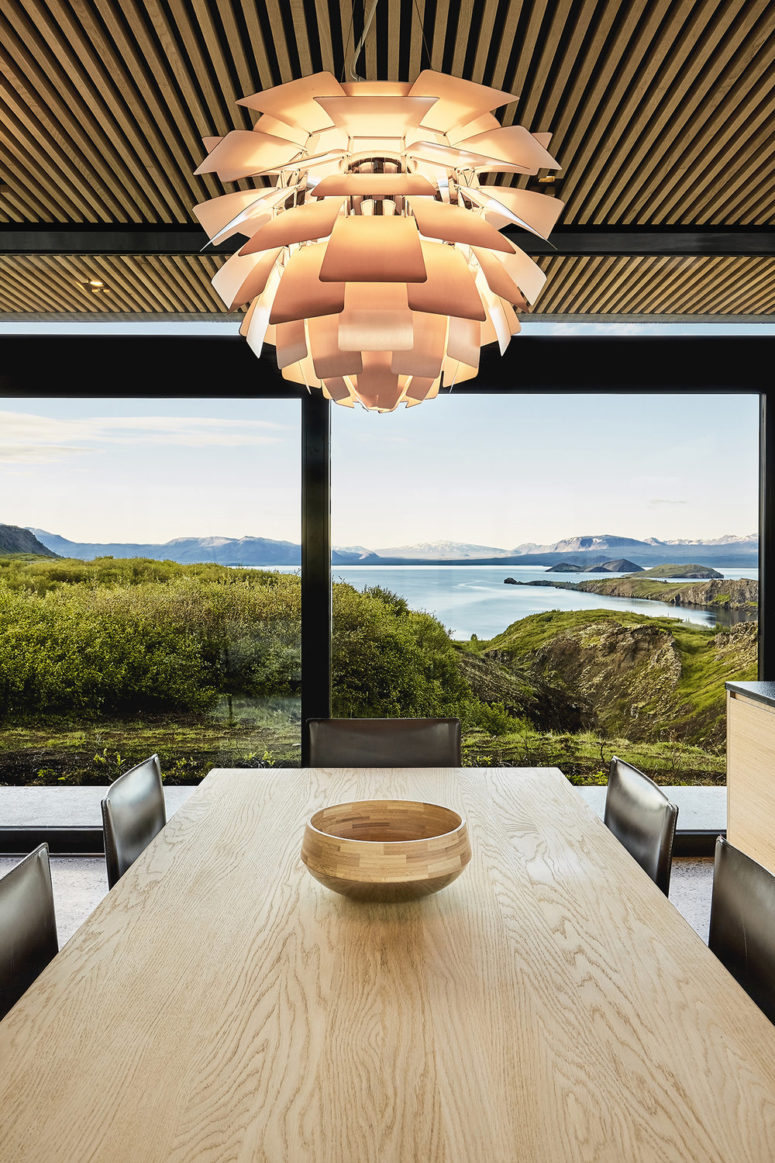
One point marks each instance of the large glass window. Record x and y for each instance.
(574, 576)
(135, 615)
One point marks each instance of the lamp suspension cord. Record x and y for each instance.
(367, 28)
(422, 34)
(359, 47)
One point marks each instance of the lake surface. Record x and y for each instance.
(473, 599)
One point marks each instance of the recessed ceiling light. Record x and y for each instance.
(93, 285)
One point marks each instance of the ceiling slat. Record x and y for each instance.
(662, 115)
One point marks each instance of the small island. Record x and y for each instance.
(693, 585)
(618, 565)
(688, 570)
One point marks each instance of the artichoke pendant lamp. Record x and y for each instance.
(374, 261)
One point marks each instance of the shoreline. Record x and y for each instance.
(731, 600)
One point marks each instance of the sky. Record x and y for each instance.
(488, 470)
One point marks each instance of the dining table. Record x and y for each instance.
(550, 1004)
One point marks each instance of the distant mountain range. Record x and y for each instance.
(730, 551)
(222, 550)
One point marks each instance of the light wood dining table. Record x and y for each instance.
(549, 1005)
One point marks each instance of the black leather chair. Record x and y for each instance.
(133, 812)
(742, 923)
(384, 742)
(642, 817)
(28, 931)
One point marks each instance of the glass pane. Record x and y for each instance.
(461, 530)
(134, 615)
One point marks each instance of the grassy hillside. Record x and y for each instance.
(103, 662)
(724, 593)
(690, 570)
(644, 678)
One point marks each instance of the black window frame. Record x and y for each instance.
(149, 366)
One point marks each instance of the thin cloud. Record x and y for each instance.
(27, 438)
(37, 453)
(666, 501)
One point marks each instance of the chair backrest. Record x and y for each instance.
(133, 812)
(642, 817)
(28, 931)
(742, 923)
(384, 742)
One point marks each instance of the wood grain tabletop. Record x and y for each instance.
(548, 1005)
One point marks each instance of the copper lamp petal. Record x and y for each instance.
(376, 318)
(488, 333)
(257, 211)
(305, 162)
(418, 387)
(499, 320)
(374, 185)
(259, 316)
(463, 340)
(377, 88)
(247, 318)
(426, 357)
(513, 144)
(260, 209)
(217, 213)
(241, 278)
(457, 372)
(291, 342)
(536, 212)
(450, 286)
(302, 372)
(301, 294)
(337, 389)
(479, 125)
(449, 158)
(243, 152)
(327, 357)
(356, 242)
(304, 223)
(276, 127)
(498, 278)
(376, 116)
(295, 100)
(458, 100)
(377, 386)
(454, 224)
(526, 274)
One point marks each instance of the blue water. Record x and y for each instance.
(472, 599)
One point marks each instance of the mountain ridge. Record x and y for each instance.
(15, 539)
(730, 550)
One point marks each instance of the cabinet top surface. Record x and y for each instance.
(762, 692)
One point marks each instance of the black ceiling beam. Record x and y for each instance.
(587, 240)
(120, 365)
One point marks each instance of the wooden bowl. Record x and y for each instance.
(386, 850)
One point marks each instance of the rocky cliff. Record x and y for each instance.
(624, 675)
(723, 594)
(14, 539)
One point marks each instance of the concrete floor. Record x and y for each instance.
(80, 884)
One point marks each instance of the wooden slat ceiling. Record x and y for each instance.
(661, 111)
(180, 285)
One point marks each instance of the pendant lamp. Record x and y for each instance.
(374, 261)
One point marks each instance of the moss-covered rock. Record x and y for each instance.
(623, 674)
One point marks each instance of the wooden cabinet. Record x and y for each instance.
(751, 771)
